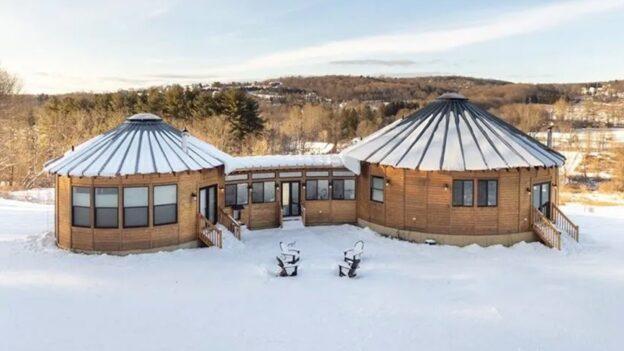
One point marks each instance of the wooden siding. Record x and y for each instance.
(422, 201)
(266, 215)
(122, 239)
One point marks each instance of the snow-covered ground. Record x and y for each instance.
(406, 296)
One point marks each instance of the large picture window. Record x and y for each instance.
(263, 192)
(462, 193)
(81, 204)
(236, 194)
(343, 189)
(317, 189)
(135, 205)
(165, 204)
(377, 189)
(106, 208)
(487, 193)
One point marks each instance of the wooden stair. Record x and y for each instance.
(230, 223)
(550, 231)
(564, 223)
(208, 233)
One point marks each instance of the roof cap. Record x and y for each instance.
(144, 117)
(452, 96)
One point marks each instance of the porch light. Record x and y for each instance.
(221, 189)
(194, 195)
(387, 182)
(445, 187)
(528, 190)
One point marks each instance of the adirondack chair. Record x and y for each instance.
(286, 270)
(348, 268)
(290, 255)
(354, 253)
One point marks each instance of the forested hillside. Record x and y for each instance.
(277, 116)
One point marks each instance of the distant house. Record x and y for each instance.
(450, 172)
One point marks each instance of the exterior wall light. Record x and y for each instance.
(445, 187)
(194, 195)
(387, 182)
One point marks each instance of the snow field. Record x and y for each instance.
(406, 296)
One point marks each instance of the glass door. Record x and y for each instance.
(208, 203)
(290, 199)
(541, 198)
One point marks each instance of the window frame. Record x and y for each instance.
(91, 200)
(344, 181)
(236, 185)
(317, 194)
(487, 192)
(372, 189)
(147, 207)
(472, 200)
(95, 208)
(264, 201)
(154, 206)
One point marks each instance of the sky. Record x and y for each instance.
(73, 45)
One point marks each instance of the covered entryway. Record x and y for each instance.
(541, 198)
(291, 199)
(208, 203)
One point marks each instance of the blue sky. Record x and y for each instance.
(69, 45)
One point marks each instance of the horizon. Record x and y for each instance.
(93, 47)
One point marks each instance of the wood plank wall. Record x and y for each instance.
(421, 201)
(265, 215)
(129, 239)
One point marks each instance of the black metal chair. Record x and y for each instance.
(289, 255)
(348, 268)
(354, 253)
(286, 270)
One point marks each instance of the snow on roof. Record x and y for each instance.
(452, 134)
(144, 144)
(289, 161)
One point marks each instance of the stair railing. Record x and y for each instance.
(545, 229)
(564, 223)
(208, 233)
(230, 223)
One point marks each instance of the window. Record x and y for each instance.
(106, 208)
(487, 193)
(462, 193)
(165, 204)
(377, 189)
(263, 192)
(343, 189)
(135, 207)
(81, 204)
(236, 194)
(317, 189)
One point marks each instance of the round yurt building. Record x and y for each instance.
(136, 188)
(454, 173)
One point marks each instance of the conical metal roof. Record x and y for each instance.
(453, 134)
(144, 144)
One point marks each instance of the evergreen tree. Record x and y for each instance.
(242, 114)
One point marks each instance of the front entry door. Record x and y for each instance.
(290, 199)
(541, 198)
(208, 203)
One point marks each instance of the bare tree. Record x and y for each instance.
(9, 84)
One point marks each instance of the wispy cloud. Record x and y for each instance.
(372, 62)
(502, 26)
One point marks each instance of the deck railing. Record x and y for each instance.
(230, 223)
(546, 230)
(208, 233)
(564, 223)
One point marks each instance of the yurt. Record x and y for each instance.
(452, 173)
(136, 188)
